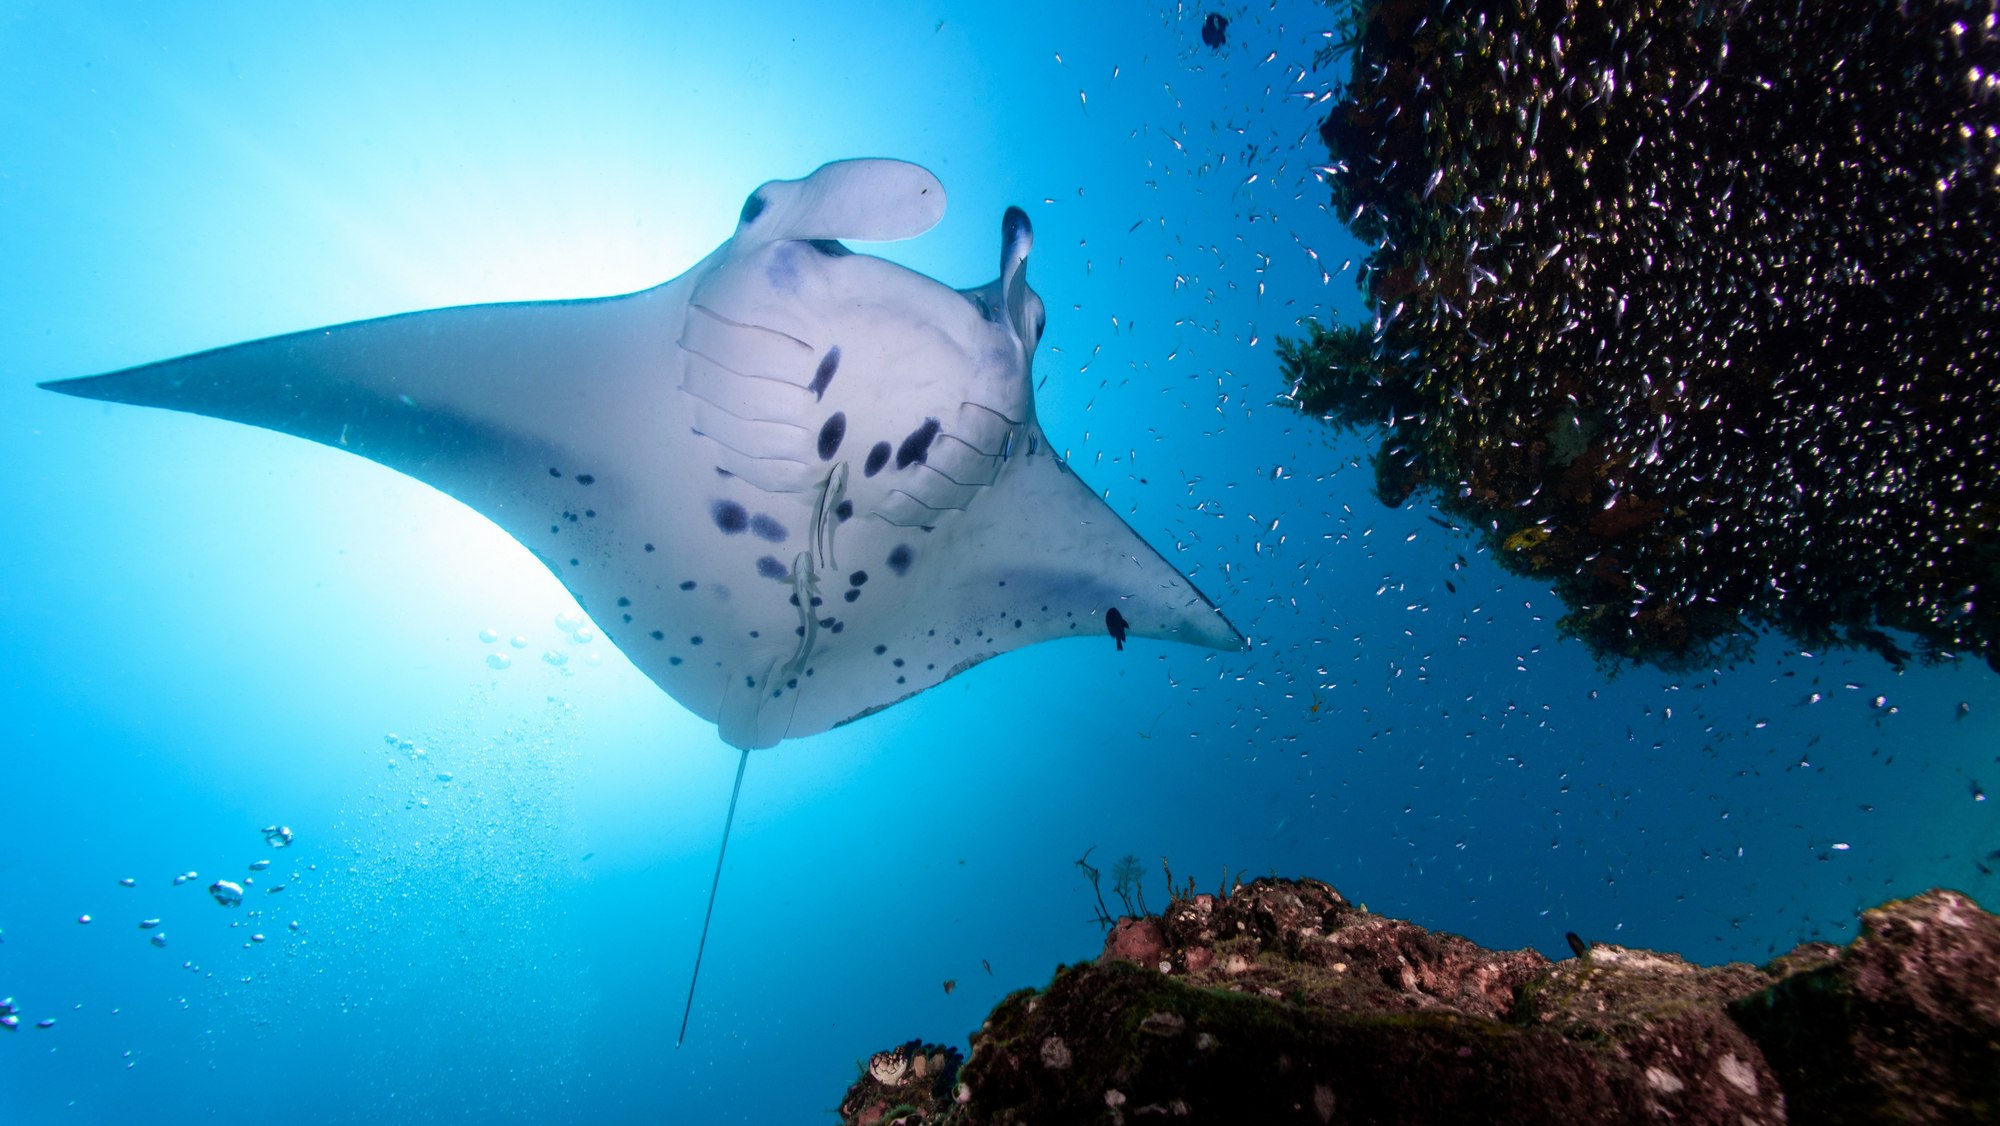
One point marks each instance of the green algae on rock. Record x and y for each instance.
(1691, 310)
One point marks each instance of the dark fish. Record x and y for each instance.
(1576, 944)
(1116, 625)
(950, 984)
(1215, 30)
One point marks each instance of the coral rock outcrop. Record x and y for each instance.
(1283, 1002)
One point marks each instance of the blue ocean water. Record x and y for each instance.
(496, 880)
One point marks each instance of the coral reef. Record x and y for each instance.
(903, 1086)
(1700, 294)
(1283, 1002)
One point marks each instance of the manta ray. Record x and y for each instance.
(794, 485)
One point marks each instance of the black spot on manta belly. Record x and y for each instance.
(730, 516)
(917, 446)
(844, 510)
(823, 375)
(769, 567)
(768, 529)
(830, 434)
(852, 595)
(900, 557)
(877, 458)
(857, 578)
(687, 584)
(752, 207)
(585, 479)
(781, 268)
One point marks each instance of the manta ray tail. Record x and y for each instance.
(735, 792)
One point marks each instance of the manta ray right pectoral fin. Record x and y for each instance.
(481, 402)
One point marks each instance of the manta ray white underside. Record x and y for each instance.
(794, 485)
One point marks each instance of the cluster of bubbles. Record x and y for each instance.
(226, 893)
(418, 756)
(575, 628)
(10, 1016)
(1690, 309)
(229, 893)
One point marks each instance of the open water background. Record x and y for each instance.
(210, 628)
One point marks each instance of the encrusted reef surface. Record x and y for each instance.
(1282, 1002)
(1685, 309)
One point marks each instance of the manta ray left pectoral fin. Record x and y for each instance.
(500, 406)
(1035, 557)
(1050, 541)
